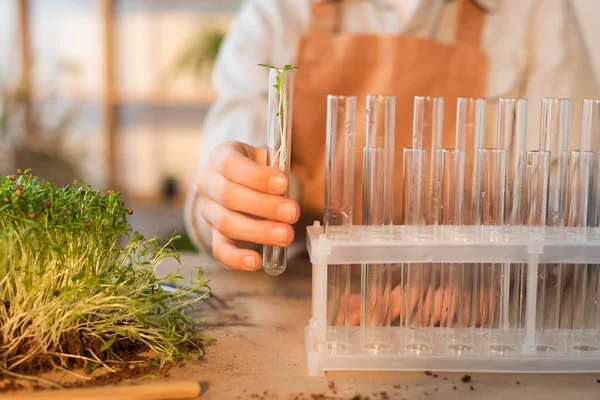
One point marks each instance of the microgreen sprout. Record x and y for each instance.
(71, 295)
(282, 114)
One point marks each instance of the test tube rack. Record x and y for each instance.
(520, 294)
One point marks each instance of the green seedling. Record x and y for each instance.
(282, 114)
(72, 296)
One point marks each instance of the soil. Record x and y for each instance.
(130, 359)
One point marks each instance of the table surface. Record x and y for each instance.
(260, 353)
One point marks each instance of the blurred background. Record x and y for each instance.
(114, 92)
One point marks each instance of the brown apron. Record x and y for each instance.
(348, 64)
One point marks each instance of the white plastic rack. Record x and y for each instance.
(528, 326)
(484, 256)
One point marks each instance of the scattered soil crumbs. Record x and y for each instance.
(471, 387)
(466, 378)
(428, 373)
(597, 380)
(381, 395)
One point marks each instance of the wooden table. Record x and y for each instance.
(260, 351)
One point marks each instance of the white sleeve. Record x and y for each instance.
(262, 32)
(559, 65)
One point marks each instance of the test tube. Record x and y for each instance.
(279, 142)
(339, 201)
(590, 141)
(415, 162)
(575, 283)
(490, 301)
(427, 134)
(512, 136)
(415, 308)
(339, 170)
(378, 190)
(491, 187)
(452, 297)
(470, 130)
(528, 309)
(579, 185)
(452, 181)
(378, 165)
(554, 138)
(535, 187)
(413, 214)
(535, 209)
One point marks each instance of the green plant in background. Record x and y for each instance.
(6, 101)
(201, 53)
(71, 297)
(44, 146)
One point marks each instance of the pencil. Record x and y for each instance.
(155, 391)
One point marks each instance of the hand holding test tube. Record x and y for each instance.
(279, 140)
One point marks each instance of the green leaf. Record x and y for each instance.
(207, 339)
(80, 275)
(107, 345)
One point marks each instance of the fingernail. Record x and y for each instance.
(249, 263)
(287, 212)
(277, 184)
(278, 235)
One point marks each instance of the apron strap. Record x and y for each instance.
(470, 23)
(326, 19)
(325, 16)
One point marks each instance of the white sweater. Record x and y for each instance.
(535, 48)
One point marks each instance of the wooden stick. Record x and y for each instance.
(155, 391)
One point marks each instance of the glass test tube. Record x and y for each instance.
(339, 202)
(576, 290)
(512, 136)
(579, 182)
(491, 186)
(490, 308)
(339, 170)
(454, 294)
(529, 309)
(535, 213)
(415, 278)
(279, 143)
(452, 180)
(378, 191)
(427, 134)
(535, 187)
(470, 130)
(554, 138)
(590, 141)
(415, 166)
